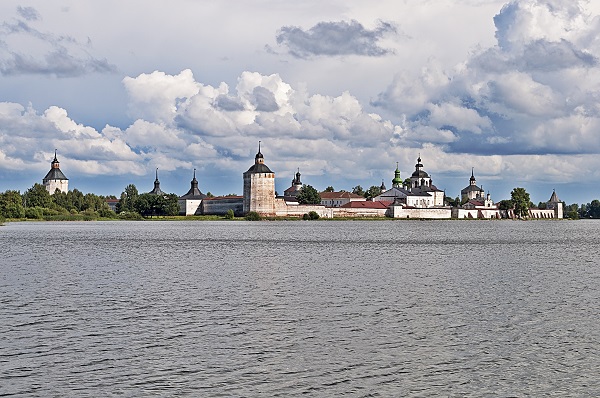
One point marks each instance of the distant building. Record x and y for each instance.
(112, 204)
(339, 199)
(472, 191)
(296, 187)
(190, 203)
(420, 193)
(554, 209)
(55, 179)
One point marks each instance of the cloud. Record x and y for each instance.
(535, 92)
(335, 38)
(28, 13)
(25, 50)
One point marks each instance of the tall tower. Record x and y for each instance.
(55, 179)
(259, 187)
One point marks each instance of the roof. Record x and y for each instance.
(471, 188)
(554, 197)
(340, 195)
(420, 174)
(366, 205)
(225, 197)
(259, 168)
(194, 192)
(55, 174)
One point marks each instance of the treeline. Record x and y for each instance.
(589, 210)
(147, 205)
(36, 203)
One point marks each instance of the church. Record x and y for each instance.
(418, 193)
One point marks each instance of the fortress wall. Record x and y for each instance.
(400, 212)
(221, 205)
(300, 210)
(358, 212)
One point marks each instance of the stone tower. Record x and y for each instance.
(259, 187)
(55, 179)
(555, 204)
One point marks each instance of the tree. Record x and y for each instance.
(452, 202)
(308, 196)
(311, 215)
(505, 204)
(358, 190)
(329, 189)
(572, 211)
(38, 196)
(230, 215)
(253, 216)
(592, 210)
(11, 205)
(372, 192)
(542, 205)
(521, 201)
(127, 199)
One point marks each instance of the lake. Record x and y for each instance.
(400, 308)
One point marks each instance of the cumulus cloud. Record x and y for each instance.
(27, 50)
(335, 38)
(535, 92)
(28, 13)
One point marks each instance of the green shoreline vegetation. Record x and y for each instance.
(37, 204)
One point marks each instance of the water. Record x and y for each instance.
(243, 309)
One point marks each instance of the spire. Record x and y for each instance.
(55, 164)
(259, 156)
(157, 190)
(554, 197)
(194, 192)
(397, 181)
(472, 180)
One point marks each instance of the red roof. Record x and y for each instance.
(224, 197)
(340, 195)
(366, 205)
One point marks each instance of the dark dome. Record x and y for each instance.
(420, 174)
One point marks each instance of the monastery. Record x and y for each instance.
(417, 198)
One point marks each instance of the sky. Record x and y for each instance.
(342, 90)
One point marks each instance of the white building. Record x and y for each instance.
(421, 193)
(55, 179)
(338, 199)
(472, 191)
(191, 203)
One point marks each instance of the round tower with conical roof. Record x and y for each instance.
(55, 179)
(259, 187)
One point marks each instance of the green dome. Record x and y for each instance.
(397, 181)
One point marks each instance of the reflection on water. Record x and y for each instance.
(397, 308)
